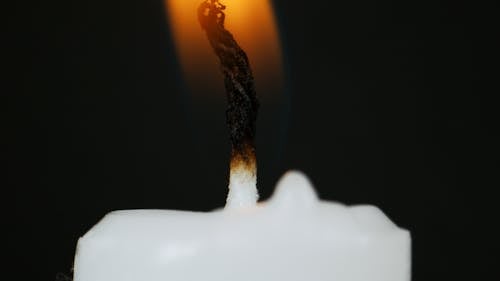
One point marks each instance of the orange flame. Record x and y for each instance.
(252, 23)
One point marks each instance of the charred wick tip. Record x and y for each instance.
(244, 159)
(241, 114)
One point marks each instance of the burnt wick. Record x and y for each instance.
(241, 113)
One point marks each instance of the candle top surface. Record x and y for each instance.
(294, 204)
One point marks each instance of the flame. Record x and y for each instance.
(252, 23)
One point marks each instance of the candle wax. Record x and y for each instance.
(293, 236)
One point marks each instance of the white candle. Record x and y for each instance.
(293, 236)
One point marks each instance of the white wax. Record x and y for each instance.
(242, 189)
(294, 236)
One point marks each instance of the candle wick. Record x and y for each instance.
(241, 113)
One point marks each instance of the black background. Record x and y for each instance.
(388, 103)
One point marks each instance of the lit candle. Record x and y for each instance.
(293, 236)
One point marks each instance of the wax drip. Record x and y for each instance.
(241, 113)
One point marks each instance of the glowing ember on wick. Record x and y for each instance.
(242, 108)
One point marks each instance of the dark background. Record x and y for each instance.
(387, 102)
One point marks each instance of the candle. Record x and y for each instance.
(293, 236)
